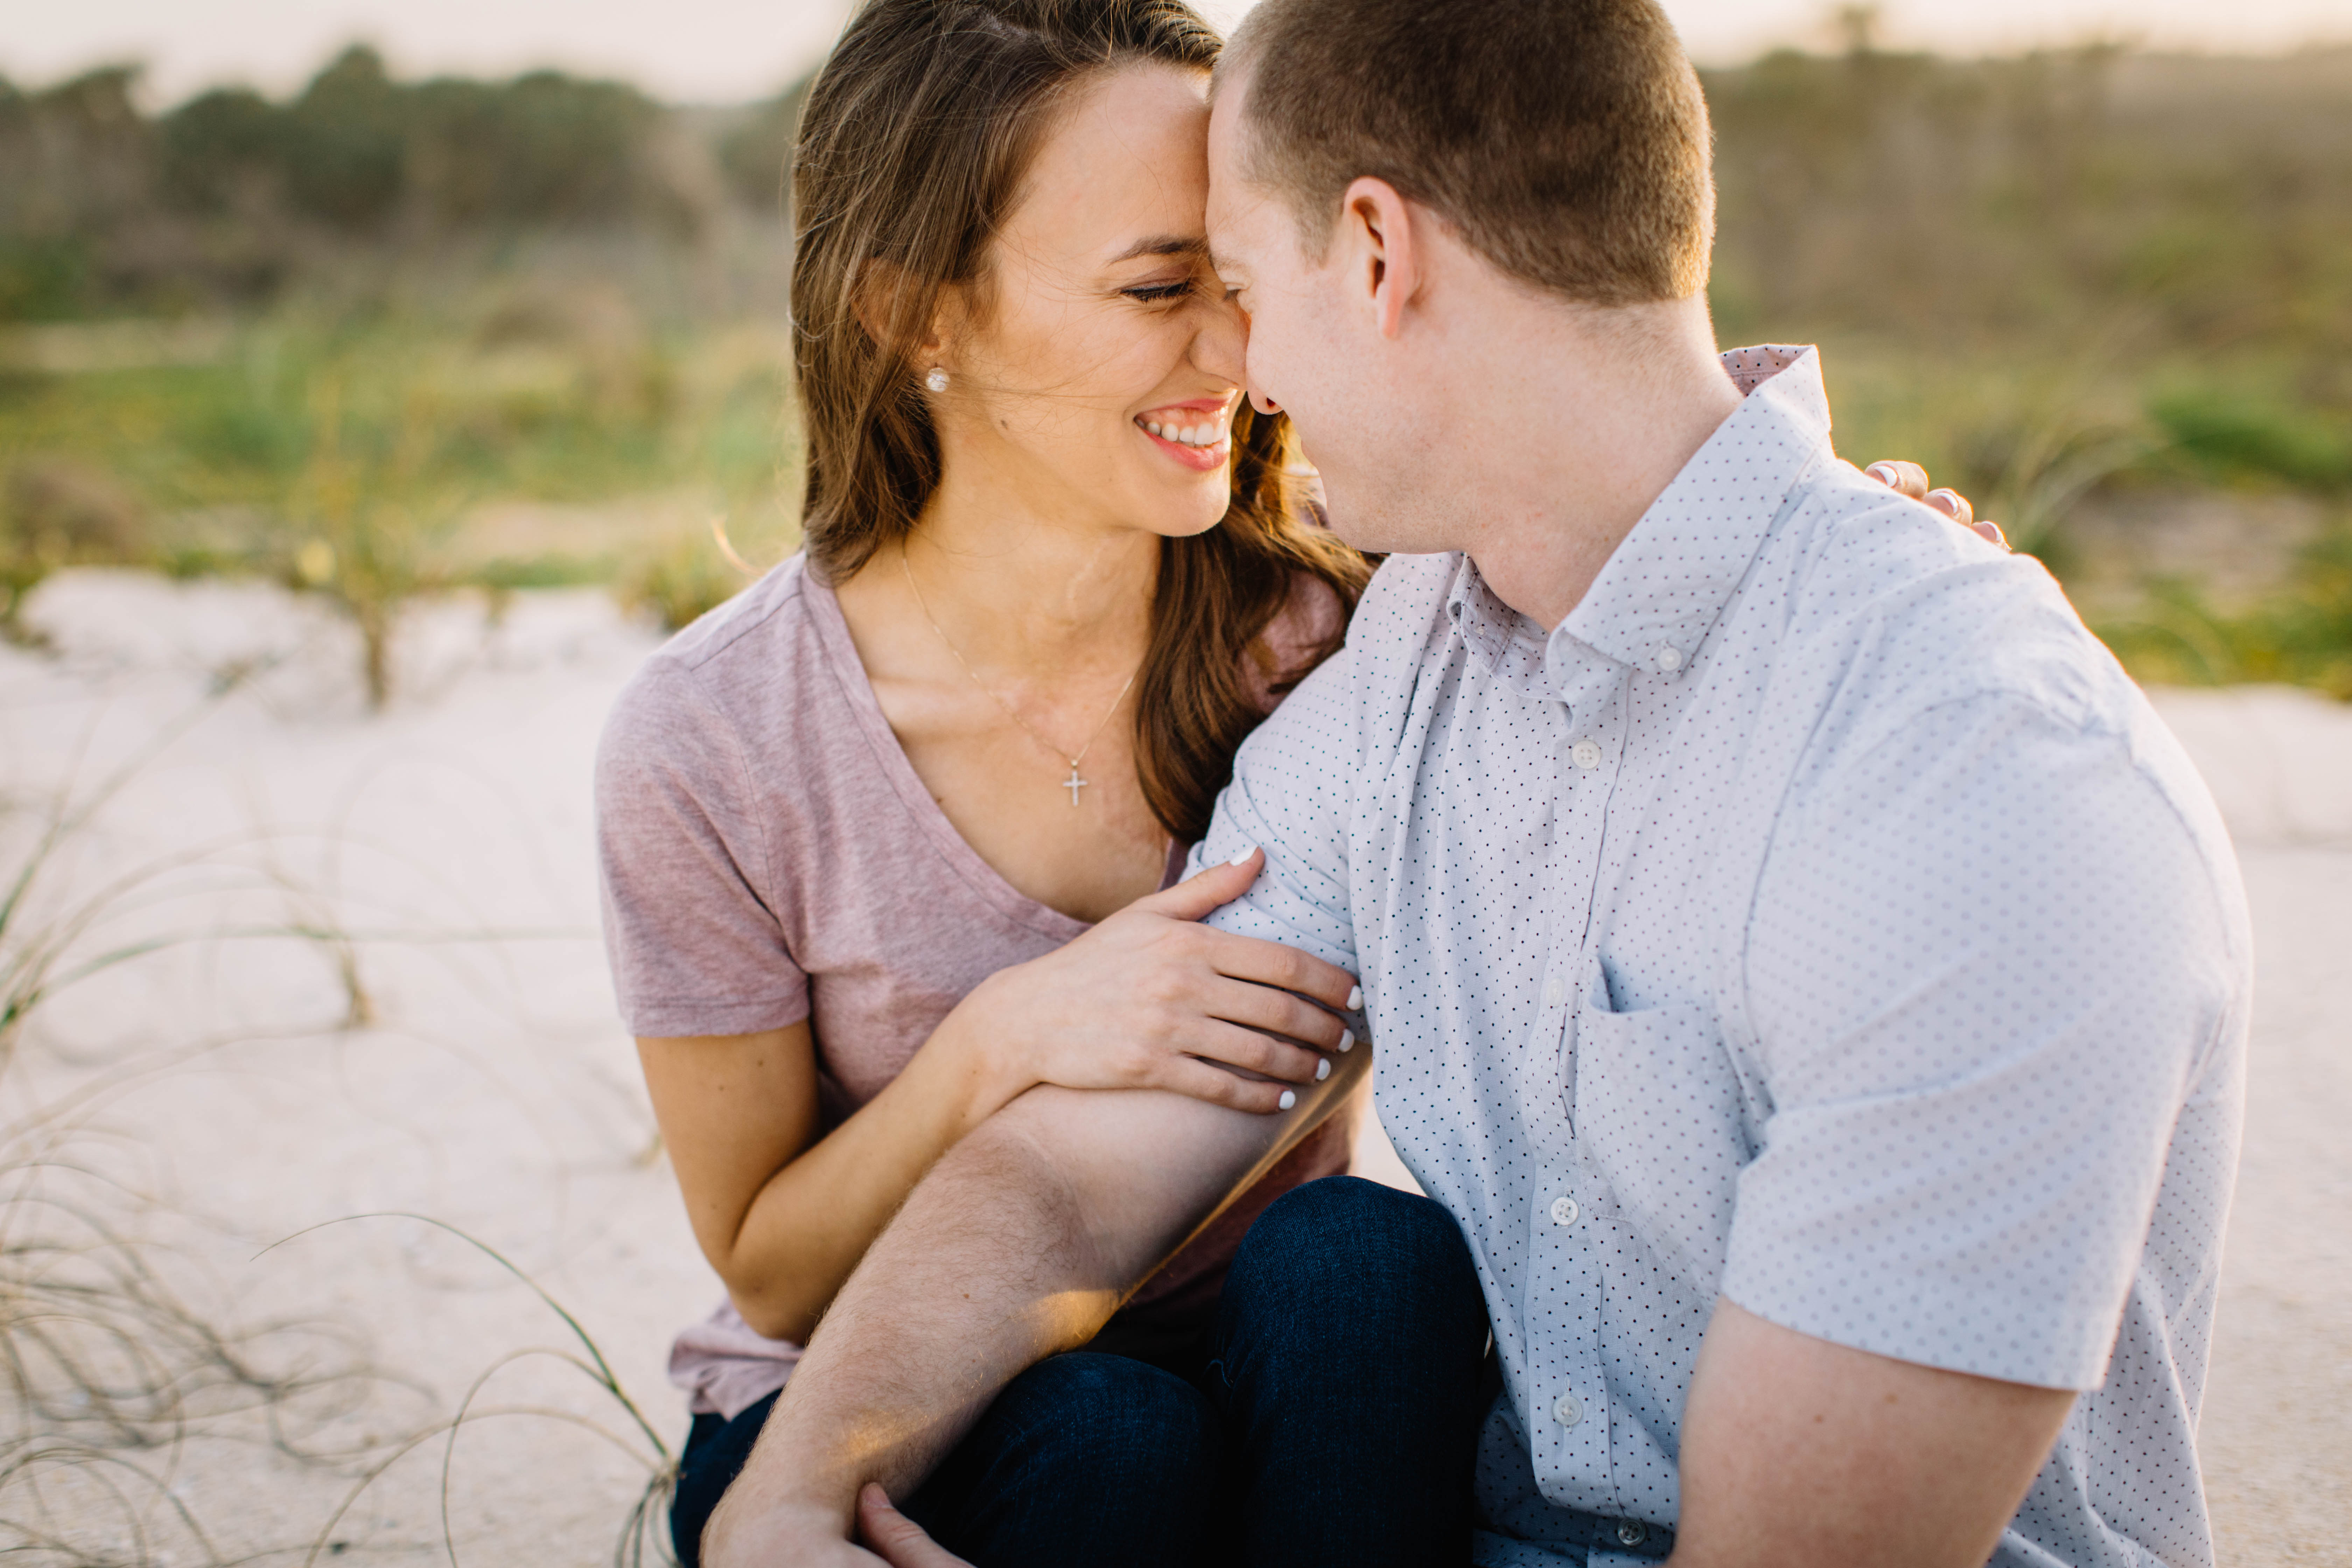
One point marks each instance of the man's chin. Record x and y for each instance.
(1379, 530)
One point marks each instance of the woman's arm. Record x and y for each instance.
(783, 1216)
(1147, 999)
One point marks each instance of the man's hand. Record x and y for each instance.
(812, 1538)
(1801, 1453)
(900, 1541)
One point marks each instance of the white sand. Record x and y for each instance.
(494, 1090)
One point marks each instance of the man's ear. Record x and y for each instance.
(1385, 263)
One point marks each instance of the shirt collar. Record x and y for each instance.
(1486, 622)
(1661, 589)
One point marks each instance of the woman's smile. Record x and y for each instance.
(1196, 434)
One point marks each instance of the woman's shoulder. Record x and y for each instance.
(733, 671)
(1304, 632)
(1312, 618)
(769, 611)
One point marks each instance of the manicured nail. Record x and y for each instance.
(1884, 473)
(1946, 502)
(1322, 1069)
(1355, 998)
(1286, 1101)
(1346, 1041)
(1247, 850)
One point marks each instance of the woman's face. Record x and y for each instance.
(1095, 373)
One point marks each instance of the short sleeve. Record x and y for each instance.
(1987, 958)
(695, 947)
(1291, 795)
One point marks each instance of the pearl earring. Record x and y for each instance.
(937, 380)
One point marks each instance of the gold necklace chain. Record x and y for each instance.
(1073, 783)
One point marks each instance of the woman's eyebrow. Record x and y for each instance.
(1165, 245)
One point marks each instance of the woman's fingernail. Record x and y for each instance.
(1355, 998)
(1322, 1069)
(1884, 473)
(1286, 1101)
(1946, 502)
(1247, 850)
(1346, 1041)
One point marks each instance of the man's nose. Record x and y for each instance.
(1221, 345)
(1223, 350)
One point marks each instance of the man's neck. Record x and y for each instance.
(1585, 418)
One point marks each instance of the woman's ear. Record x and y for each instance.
(888, 305)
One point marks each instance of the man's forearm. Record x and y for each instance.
(986, 1271)
(1022, 1242)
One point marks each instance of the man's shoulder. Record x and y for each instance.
(1897, 624)
(1892, 610)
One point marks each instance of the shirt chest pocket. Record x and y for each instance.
(1662, 1127)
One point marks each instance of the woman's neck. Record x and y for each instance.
(1028, 593)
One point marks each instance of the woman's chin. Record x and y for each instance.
(1172, 523)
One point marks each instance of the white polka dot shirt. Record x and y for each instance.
(1817, 919)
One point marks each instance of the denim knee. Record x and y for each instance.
(1094, 1410)
(1350, 1246)
(1082, 1459)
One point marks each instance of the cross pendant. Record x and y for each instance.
(1074, 783)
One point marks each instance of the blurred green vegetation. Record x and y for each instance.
(426, 333)
(341, 339)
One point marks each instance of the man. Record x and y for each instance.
(1800, 961)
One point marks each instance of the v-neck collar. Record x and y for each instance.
(921, 806)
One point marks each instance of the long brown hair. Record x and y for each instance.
(912, 152)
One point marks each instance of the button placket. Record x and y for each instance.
(1568, 1399)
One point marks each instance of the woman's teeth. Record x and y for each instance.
(1187, 435)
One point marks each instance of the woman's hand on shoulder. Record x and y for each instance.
(1152, 999)
(1911, 480)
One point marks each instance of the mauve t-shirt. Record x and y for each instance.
(770, 855)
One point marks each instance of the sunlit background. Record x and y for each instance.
(380, 381)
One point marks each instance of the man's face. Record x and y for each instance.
(1316, 352)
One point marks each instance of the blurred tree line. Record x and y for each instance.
(2148, 211)
(2207, 200)
(230, 196)
(2064, 280)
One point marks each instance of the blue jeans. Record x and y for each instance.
(1330, 1417)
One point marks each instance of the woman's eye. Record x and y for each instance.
(1160, 293)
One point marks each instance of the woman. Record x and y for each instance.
(889, 838)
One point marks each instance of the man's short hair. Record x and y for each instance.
(1566, 141)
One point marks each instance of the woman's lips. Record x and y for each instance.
(1208, 427)
(1200, 460)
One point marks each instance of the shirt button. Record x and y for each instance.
(1670, 659)
(1554, 992)
(1587, 755)
(1632, 1533)
(1564, 1211)
(1567, 1411)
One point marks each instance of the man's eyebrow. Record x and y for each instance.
(1165, 245)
